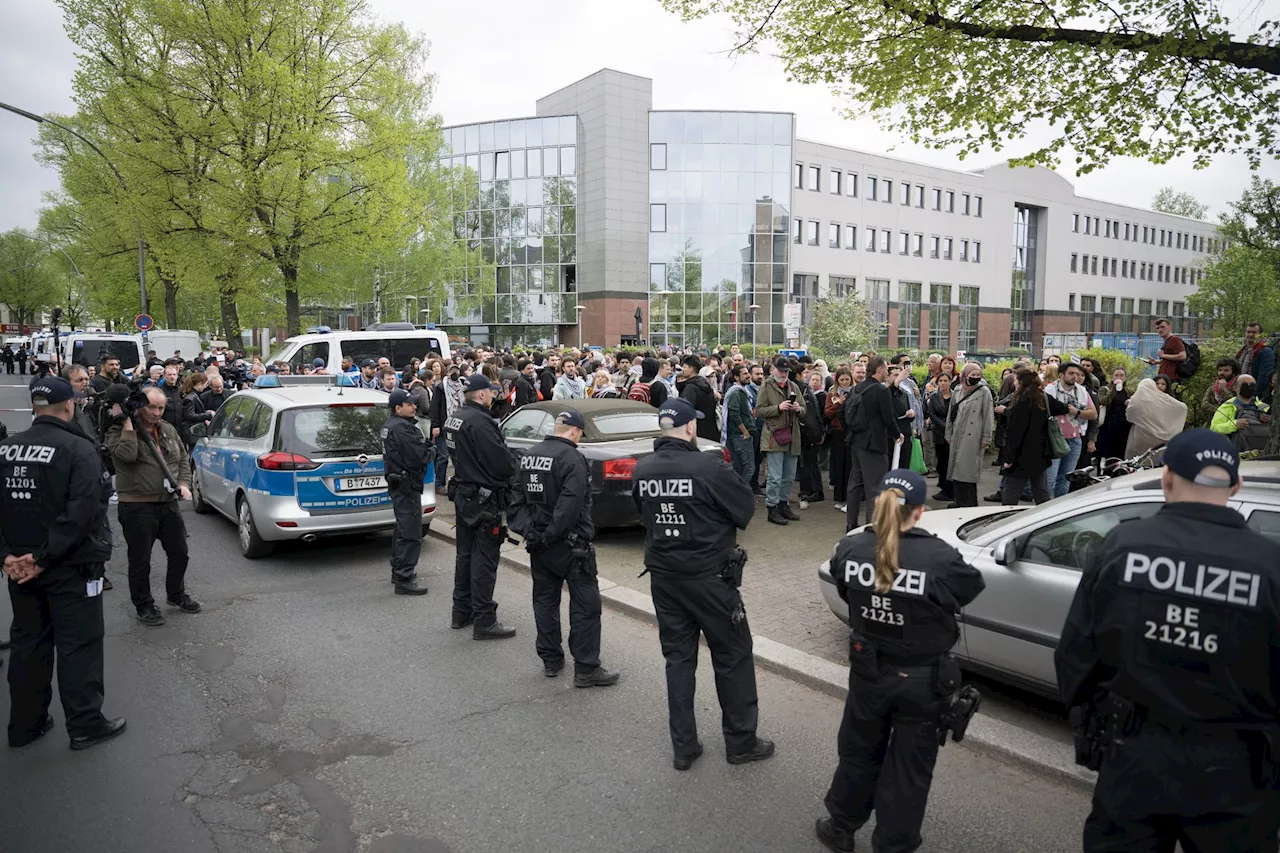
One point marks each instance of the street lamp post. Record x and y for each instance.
(753, 308)
(578, 309)
(39, 119)
(666, 318)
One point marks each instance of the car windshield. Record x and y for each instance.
(979, 526)
(91, 352)
(626, 423)
(333, 431)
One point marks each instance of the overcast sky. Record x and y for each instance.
(495, 59)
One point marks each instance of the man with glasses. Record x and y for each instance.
(148, 508)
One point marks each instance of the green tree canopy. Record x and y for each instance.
(1169, 200)
(1237, 289)
(27, 277)
(1145, 78)
(840, 325)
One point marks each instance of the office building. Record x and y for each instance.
(704, 225)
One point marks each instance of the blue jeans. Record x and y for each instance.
(442, 462)
(1060, 468)
(742, 454)
(782, 473)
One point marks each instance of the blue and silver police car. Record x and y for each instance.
(297, 458)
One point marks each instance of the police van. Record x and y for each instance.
(87, 348)
(398, 342)
(297, 457)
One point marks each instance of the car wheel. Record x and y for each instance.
(251, 544)
(198, 503)
(426, 528)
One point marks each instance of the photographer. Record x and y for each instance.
(149, 457)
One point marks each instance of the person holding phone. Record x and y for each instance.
(781, 406)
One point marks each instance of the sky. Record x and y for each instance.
(495, 59)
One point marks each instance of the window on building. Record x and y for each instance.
(1179, 318)
(835, 182)
(1126, 315)
(1109, 313)
(657, 276)
(842, 285)
(878, 302)
(797, 175)
(1162, 308)
(1093, 265)
(657, 217)
(934, 242)
(967, 320)
(1106, 267)
(920, 195)
(917, 245)
(1113, 267)
(937, 199)
(1075, 258)
(940, 317)
(904, 242)
(833, 236)
(977, 252)
(1071, 302)
(1075, 222)
(815, 178)
(909, 314)
(947, 244)
(1088, 225)
(797, 231)
(657, 155)
(885, 236)
(906, 194)
(851, 185)
(870, 234)
(977, 206)
(964, 250)
(873, 184)
(1088, 304)
(1124, 269)
(1159, 272)
(964, 204)
(1146, 234)
(812, 236)
(887, 192)
(851, 236)
(1144, 315)
(951, 201)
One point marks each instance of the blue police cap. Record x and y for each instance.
(397, 396)
(571, 418)
(676, 412)
(1189, 454)
(51, 390)
(478, 382)
(912, 485)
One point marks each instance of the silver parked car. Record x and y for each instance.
(1032, 560)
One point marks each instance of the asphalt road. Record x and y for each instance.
(309, 709)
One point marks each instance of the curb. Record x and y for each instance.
(995, 738)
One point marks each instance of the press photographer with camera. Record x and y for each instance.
(153, 472)
(903, 587)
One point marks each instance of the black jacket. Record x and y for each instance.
(213, 402)
(1171, 618)
(405, 454)
(193, 412)
(936, 411)
(918, 623)
(1026, 449)
(102, 382)
(546, 382)
(54, 504)
(173, 406)
(901, 405)
(691, 505)
(876, 426)
(552, 495)
(526, 391)
(476, 449)
(698, 391)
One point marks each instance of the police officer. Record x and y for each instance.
(691, 505)
(551, 509)
(405, 455)
(1174, 639)
(903, 587)
(482, 470)
(54, 540)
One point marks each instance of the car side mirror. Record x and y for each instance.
(198, 431)
(1004, 552)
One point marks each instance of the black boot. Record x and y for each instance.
(496, 631)
(413, 587)
(775, 516)
(598, 677)
(105, 731)
(758, 751)
(784, 509)
(832, 838)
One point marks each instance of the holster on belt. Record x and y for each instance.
(582, 556)
(731, 572)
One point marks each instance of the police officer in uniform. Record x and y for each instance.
(1173, 640)
(55, 540)
(405, 455)
(551, 509)
(482, 468)
(691, 505)
(903, 587)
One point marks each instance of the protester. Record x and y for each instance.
(782, 406)
(833, 411)
(1154, 418)
(1257, 359)
(1113, 399)
(969, 427)
(1222, 389)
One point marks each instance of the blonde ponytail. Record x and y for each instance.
(890, 514)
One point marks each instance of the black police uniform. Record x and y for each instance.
(54, 506)
(898, 654)
(1178, 615)
(551, 509)
(691, 505)
(405, 456)
(482, 469)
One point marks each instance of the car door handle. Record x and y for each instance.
(235, 456)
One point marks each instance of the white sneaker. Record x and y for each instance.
(842, 507)
(804, 504)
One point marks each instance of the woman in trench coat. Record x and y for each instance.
(969, 429)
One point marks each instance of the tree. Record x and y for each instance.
(1168, 200)
(1254, 220)
(840, 325)
(26, 277)
(1238, 288)
(1144, 78)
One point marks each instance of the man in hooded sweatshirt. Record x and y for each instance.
(697, 390)
(650, 388)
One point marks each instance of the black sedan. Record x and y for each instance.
(618, 433)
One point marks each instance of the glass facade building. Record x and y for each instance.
(719, 225)
(515, 202)
(1022, 288)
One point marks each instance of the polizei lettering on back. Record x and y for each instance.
(669, 488)
(535, 463)
(909, 581)
(1165, 574)
(27, 453)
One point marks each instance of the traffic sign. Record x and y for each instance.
(144, 322)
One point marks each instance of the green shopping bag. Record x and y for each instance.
(917, 458)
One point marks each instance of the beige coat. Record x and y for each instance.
(969, 431)
(771, 395)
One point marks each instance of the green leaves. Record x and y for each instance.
(1143, 78)
(840, 325)
(1169, 200)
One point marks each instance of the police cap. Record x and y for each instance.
(676, 412)
(478, 382)
(571, 418)
(1189, 454)
(397, 397)
(50, 391)
(911, 484)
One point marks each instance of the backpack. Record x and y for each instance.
(852, 415)
(1188, 368)
(813, 424)
(639, 391)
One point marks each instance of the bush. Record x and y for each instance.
(1109, 359)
